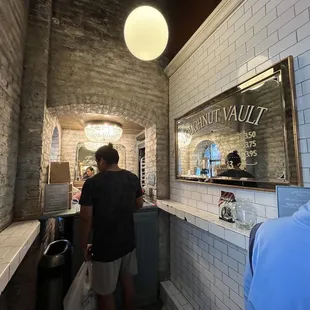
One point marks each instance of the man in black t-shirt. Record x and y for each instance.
(108, 202)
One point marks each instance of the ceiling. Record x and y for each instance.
(75, 122)
(184, 18)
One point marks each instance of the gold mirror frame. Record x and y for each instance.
(80, 167)
(285, 71)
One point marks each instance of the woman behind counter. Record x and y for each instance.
(90, 172)
(233, 161)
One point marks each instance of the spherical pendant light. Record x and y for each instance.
(146, 33)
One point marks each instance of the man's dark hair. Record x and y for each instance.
(91, 169)
(107, 153)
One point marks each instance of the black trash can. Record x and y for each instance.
(54, 275)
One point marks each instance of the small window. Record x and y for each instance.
(213, 154)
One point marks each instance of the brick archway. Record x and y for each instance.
(130, 113)
(55, 145)
(155, 122)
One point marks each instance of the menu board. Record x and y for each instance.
(290, 199)
(56, 197)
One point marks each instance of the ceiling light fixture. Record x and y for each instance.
(103, 132)
(93, 146)
(146, 33)
(184, 139)
(255, 81)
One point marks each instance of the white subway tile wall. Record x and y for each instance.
(257, 35)
(206, 270)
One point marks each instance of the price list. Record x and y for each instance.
(250, 144)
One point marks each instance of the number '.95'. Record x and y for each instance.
(252, 153)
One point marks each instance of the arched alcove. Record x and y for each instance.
(156, 135)
(55, 146)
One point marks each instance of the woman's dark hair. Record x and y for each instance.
(108, 154)
(91, 169)
(234, 158)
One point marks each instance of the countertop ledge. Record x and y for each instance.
(75, 210)
(15, 241)
(208, 222)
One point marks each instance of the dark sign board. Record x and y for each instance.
(291, 198)
(56, 197)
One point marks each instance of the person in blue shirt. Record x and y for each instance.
(277, 275)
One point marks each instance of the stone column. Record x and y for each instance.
(162, 161)
(156, 156)
(13, 27)
(33, 105)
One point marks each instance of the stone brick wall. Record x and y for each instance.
(49, 125)
(92, 71)
(270, 148)
(224, 143)
(206, 269)
(32, 155)
(13, 26)
(56, 145)
(76, 62)
(71, 138)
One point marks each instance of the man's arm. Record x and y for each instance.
(139, 195)
(139, 202)
(86, 214)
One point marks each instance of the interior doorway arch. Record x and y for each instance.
(55, 146)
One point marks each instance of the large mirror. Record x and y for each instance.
(86, 165)
(243, 137)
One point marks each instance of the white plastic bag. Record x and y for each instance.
(80, 295)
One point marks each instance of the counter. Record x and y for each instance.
(75, 210)
(207, 221)
(15, 241)
(207, 260)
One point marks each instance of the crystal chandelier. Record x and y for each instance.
(103, 132)
(93, 146)
(184, 139)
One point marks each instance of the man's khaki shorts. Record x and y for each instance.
(105, 275)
